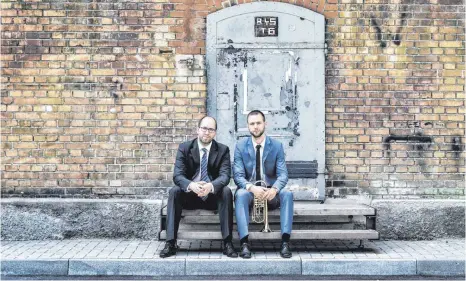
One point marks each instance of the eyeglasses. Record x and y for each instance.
(205, 129)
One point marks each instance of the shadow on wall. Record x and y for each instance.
(420, 143)
(389, 19)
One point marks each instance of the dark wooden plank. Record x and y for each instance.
(296, 235)
(214, 219)
(305, 209)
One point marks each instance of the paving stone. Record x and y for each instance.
(438, 257)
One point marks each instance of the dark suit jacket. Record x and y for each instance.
(188, 162)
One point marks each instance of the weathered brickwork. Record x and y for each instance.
(96, 96)
(395, 98)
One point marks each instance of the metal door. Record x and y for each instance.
(270, 56)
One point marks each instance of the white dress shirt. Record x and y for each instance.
(262, 144)
(201, 146)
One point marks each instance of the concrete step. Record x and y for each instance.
(215, 220)
(296, 235)
(273, 226)
(304, 209)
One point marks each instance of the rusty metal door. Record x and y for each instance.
(270, 56)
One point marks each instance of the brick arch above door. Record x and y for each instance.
(189, 18)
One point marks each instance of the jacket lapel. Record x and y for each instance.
(213, 153)
(252, 153)
(195, 153)
(267, 148)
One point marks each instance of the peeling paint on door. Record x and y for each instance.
(283, 76)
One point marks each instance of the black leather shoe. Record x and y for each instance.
(168, 250)
(285, 251)
(245, 251)
(229, 251)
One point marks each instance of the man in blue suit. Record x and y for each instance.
(261, 158)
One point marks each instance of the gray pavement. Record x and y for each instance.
(204, 258)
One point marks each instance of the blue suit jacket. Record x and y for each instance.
(273, 163)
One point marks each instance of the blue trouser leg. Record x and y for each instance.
(286, 211)
(243, 199)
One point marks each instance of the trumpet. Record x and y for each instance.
(260, 211)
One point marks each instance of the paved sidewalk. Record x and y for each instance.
(140, 258)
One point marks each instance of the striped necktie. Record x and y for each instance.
(204, 176)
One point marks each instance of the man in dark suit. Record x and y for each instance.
(201, 175)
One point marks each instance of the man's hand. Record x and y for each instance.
(270, 193)
(206, 188)
(258, 191)
(195, 187)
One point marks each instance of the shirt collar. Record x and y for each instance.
(261, 144)
(201, 146)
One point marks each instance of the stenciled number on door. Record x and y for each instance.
(266, 26)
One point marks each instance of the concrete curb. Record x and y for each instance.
(241, 267)
(34, 267)
(196, 266)
(387, 267)
(441, 267)
(126, 267)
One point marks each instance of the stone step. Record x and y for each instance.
(296, 235)
(303, 209)
(273, 226)
(214, 219)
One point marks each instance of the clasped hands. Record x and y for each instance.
(262, 193)
(201, 188)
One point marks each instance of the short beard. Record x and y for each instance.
(258, 136)
(204, 143)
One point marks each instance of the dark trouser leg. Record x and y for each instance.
(179, 200)
(174, 208)
(225, 211)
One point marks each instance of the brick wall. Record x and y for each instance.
(96, 96)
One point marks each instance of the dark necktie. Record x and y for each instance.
(258, 164)
(204, 176)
